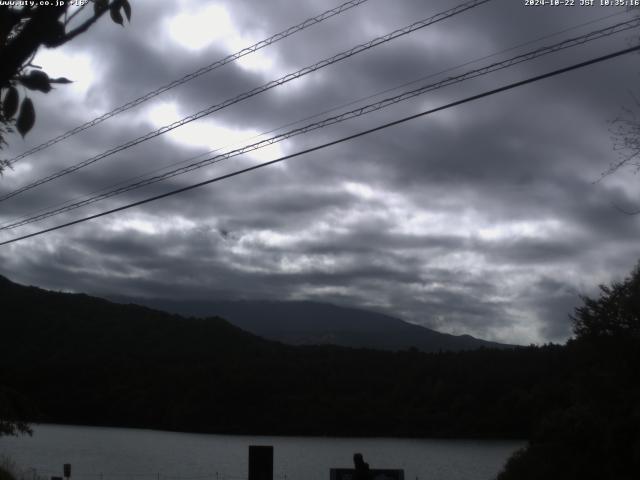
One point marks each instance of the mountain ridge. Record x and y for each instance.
(317, 323)
(307, 322)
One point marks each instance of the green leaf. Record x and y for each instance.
(116, 16)
(36, 80)
(10, 103)
(26, 117)
(127, 9)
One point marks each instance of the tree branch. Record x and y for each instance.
(82, 27)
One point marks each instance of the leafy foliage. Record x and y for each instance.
(597, 434)
(23, 30)
(615, 314)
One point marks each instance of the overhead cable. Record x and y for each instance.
(190, 76)
(267, 86)
(372, 107)
(328, 144)
(319, 114)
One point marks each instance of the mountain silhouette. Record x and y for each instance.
(315, 323)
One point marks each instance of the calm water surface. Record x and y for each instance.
(129, 454)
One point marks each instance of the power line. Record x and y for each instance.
(65, 203)
(431, 75)
(591, 36)
(33, 214)
(336, 119)
(311, 117)
(190, 76)
(267, 86)
(334, 142)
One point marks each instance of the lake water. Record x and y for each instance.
(130, 454)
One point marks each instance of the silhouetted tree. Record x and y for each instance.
(23, 30)
(596, 434)
(616, 313)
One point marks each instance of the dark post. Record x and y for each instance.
(67, 470)
(260, 462)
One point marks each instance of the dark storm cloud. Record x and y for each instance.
(482, 219)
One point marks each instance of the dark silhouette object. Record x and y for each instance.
(615, 314)
(260, 462)
(362, 468)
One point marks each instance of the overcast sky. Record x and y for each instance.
(483, 219)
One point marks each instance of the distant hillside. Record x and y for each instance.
(313, 323)
(85, 360)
